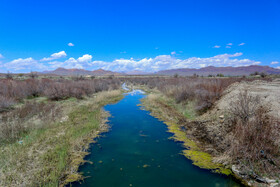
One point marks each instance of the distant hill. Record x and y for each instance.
(136, 72)
(101, 72)
(73, 72)
(227, 71)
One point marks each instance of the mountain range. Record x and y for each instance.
(227, 71)
(210, 70)
(73, 72)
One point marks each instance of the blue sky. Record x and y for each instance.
(146, 35)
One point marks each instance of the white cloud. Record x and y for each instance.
(54, 56)
(158, 63)
(85, 58)
(70, 44)
(216, 46)
(229, 44)
(278, 67)
(274, 62)
(161, 62)
(1, 56)
(173, 52)
(123, 52)
(80, 63)
(241, 44)
(26, 64)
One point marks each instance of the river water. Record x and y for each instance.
(137, 152)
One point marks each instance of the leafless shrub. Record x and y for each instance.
(78, 78)
(54, 89)
(204, 91)
(255, 135)
(5, 103)
(245, 106)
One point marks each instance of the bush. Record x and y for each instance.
(245, 107)
(33, 75)
(9, 76)
(255, 135)
(14, 124)
(5, 103)
(16, 90)
(204, 91)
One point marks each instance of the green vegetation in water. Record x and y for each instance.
(167, 110)
(137, 152)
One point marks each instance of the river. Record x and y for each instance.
(137, 151)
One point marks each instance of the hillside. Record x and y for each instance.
(72, 72)
(227, 71)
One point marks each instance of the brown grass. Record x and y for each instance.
(256, 134)
(20, 121)
(15, 91)
(50, 154)
(204, 91)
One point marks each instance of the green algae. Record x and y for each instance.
(199, 158)
(192, 152)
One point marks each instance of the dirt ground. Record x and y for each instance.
(269, 93)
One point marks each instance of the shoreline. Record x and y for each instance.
(51, 155)
(79, 160)
(192, 150)
(75, 176)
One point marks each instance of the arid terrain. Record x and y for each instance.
(240, 130)
(229, 125)
(217, 124)
(269, 93)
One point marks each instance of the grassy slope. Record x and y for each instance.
(171, 113)
(51, 156)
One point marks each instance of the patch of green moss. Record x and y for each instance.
(199, 158)
(193, 152)
(73, 177)
(204, 160)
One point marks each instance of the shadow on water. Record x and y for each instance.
(137, 152)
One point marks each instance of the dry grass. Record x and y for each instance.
(50, 155)
(15, 91)
(31, 115)
(203, 92)
(247, 136)
(256, 134)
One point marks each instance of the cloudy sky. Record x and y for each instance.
(144, 35)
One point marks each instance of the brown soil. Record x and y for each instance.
(269, 93)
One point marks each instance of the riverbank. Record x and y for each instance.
(137, 152)
(50, 155)
(166, 110)
(205, 137)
